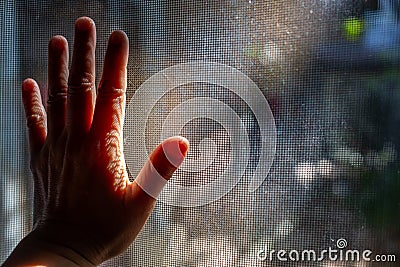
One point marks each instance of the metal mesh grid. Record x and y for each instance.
(334, 99)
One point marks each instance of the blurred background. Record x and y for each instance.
(330, 72)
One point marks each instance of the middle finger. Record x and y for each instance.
(81, 84)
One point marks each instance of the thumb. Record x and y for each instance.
(162, 163)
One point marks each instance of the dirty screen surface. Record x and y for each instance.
(330, 73)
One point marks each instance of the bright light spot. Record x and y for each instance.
(332, 264)
(284, 228)
(389, 152)
(361, 264)
(347, 155)
(219, 252)
(271, 54)
(379, 160)
(324, 167)
(373, 160)
(250, 260)
(305, 173)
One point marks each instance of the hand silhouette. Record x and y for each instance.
(86, 209)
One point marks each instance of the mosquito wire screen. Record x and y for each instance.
(292, 109)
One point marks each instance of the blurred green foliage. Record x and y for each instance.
(380, 197)
(353, 28)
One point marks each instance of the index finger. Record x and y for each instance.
(110, 103)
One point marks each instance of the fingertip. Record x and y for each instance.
(58, 43)
(28, 84)
(84, 24)
(35, 114)
(183, 144)
(169, 155)
(118, 38)
(175, 149)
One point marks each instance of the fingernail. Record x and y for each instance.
(175, 149)
(183, 145)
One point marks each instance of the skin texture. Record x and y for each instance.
(86, 210)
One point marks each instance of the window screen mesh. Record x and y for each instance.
(330, 73)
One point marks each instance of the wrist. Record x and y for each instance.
(55, 244)
(69, 242)
(33, 251)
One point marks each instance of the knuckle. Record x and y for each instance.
(59, 96)
(107, 90)
(84, 84)
(112, 93)
(34, 120)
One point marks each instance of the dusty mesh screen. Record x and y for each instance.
(329, 71)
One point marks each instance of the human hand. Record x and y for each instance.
(86, 209)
